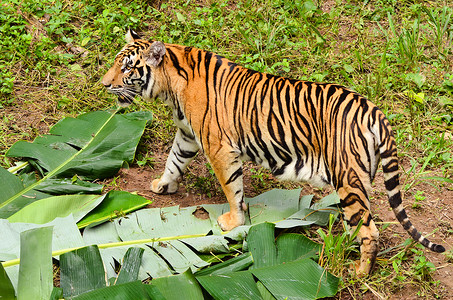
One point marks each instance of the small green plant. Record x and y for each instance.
(204, 185)
(418, 197)
(449, 253)
(407, 42)
(260, 178)
(6, 84)
(53, 54)
(145, 159)
(441, 27)
(422, 268)
(411, 265)
(415, 175)
(114, 184)
(337, 247)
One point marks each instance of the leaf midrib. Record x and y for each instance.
(57, 169)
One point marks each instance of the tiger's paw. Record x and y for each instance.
(228, 221)
(159, 187)
(362, 270)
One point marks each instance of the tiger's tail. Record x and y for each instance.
(389, 159)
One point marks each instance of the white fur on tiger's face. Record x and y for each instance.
(302, 131)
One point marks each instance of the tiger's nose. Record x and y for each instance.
(106, 83)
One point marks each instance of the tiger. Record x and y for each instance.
(320, 133)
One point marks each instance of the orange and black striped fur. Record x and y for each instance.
(302, 131)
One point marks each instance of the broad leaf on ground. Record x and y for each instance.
(164, 235)
(115, 204)
(236, 285)
(130, 290)
(35, 270)
(92, 146)
(176, 286)
(130, 266)
(6, 287)
(300, 279)
(81, 271)
(46, 210)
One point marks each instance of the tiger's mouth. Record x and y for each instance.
(124, 101)
(125, 96)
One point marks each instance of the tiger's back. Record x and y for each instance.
(302, 131)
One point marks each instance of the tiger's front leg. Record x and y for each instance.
(228, 169)
(182, 153)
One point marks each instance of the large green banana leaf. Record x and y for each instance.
(92, 146)
(35, 270)
(87, 210)
(295, 277)
(172, 238)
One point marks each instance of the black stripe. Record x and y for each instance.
(407, 225)
(187, 154)
(395, 200)
(417, 235)
(437, 248)
(389, 152)
(175, 62)
(177, 167)
(234, 176)
(392, 166)
(351, 199)
(355, 218)
(392, 183)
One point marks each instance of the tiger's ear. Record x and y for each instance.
(131, 36)
(155, 54)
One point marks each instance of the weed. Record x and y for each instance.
(114, 184)
(337, 247)
(418, 197)
(422, 268)
(440, 25)
(449, 253)
(260, 179)
(407, 43)
(147, 159)
(415, 175)
(203, 185)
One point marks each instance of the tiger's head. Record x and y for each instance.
(135, 69)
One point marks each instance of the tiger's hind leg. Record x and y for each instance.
(356, 207)
(182, 153)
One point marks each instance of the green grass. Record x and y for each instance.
(397, 53)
